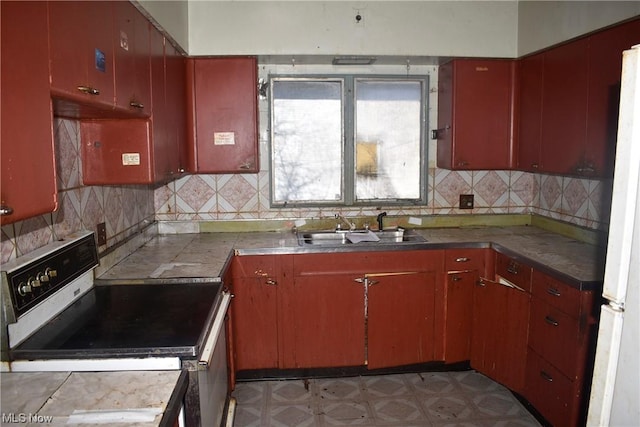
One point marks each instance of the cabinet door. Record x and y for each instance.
(329, 321)
(81, 50)
(164, 154)
(605, 69)
(558, 338)
(116, 152)
(176, 106)
(400, 323)
(564, 112)
(224, 102)
(132, 71)
(500, 330)
(28, 181)
(459, 315)
(255, 312)
(481, 114)
(551, 393)
(530, 112)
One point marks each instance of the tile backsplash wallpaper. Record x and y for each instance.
(127, 209)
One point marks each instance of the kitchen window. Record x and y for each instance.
(348, 140)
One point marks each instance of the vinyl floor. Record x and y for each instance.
(462, 398)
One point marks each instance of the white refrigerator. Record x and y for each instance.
(615, 393)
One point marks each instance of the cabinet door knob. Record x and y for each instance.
(137, 105)
(550, 320)
(462, 259)
(271, 282)
(456, 278)
(5, 210)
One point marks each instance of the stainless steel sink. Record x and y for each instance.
(360, 237)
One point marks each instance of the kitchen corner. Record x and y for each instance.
(184, 251)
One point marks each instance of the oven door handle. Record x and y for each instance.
(218, 324)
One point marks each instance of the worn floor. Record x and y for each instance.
(426, 399)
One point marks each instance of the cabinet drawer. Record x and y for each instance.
(557, 337)
(465, 259)
(514, 271)
(551, 393)
(559, 295)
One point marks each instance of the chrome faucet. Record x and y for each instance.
(379, 219)
(352, 226)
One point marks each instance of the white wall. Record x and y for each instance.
(545, 23)
(404, 28)
(172, 16)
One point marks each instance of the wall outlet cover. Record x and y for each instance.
(466, 201)
(101, 233)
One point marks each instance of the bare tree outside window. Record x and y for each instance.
(345, 140)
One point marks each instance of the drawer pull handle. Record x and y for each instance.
(462, 259)
(456, 278)
(546, 376)
(551, 320)
(553, 291)
(480, 283)
(271, 282)
(89, 90)
(512, 268)
(137, 105)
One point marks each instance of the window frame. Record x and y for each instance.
(348, 146)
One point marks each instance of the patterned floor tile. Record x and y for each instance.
(292, 416)
(396, 410)
(449, 408)
(386, 385)
(345, 413)
(427, 399)
(340, 388)
(432, 383)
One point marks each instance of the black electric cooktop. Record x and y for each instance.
(128, 321)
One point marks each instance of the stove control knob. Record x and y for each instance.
(50, 272)
(24, 289)
(33, 283)
(42, 277)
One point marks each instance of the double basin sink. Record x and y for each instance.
(360, 237)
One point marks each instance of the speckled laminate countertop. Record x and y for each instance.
(206, 255)
(143, 399)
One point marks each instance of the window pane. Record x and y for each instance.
(307, 150)
(387, 139)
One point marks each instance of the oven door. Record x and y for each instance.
(213, 381)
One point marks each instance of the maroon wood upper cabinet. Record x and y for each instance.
(28, 181)
(167, 105)
(605, 69)
(222, 115)
(564, 112)
(530, 81)
(475, 114)
(131, 40)
(175, 92)
(81, 50)
(116, 152)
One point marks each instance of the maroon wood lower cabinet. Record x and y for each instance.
(254, 311)
(396, 308)
(560, 340)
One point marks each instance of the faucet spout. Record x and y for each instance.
(379, 219)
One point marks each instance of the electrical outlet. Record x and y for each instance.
(466, 201)
(101, 233)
